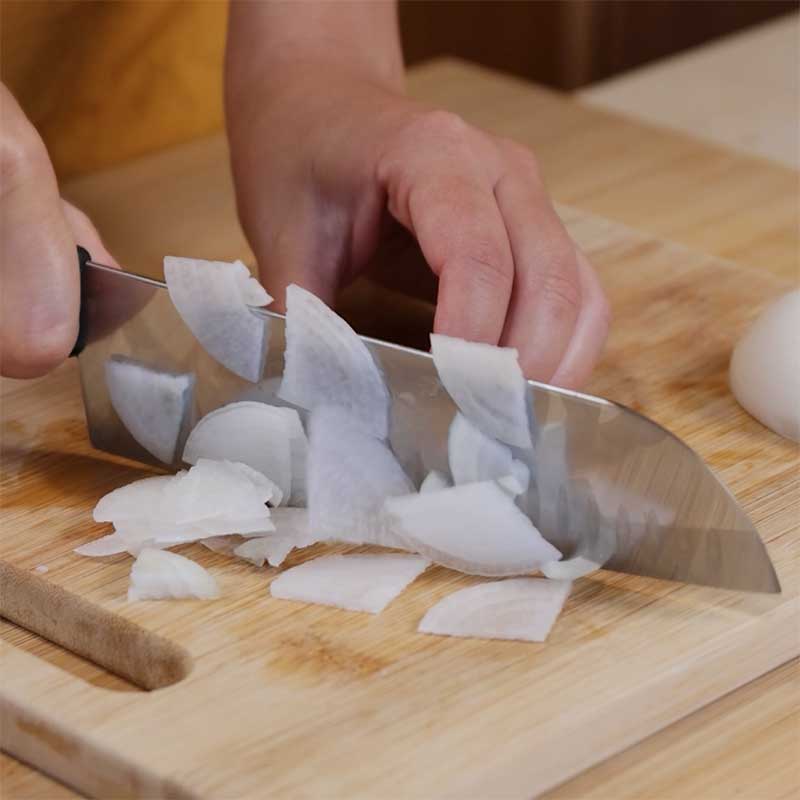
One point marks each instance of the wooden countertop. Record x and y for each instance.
(744, 91)
(649, 179)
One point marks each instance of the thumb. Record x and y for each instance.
(40, 299)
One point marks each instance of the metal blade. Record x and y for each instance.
(605, 480)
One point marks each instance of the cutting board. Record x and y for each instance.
(253, 696)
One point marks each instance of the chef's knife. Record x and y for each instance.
(607, 483)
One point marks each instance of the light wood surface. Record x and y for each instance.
(499, 99)
(282, 695)
(741, 92)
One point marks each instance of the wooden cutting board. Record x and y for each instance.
(281, 699)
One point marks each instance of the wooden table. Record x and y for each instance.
(744, 744)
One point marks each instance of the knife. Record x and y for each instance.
(606, 482)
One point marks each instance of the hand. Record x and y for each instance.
(324, 150)
(40, 296)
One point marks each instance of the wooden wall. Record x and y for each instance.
(570, 43)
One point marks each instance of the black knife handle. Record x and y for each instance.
(80, 342)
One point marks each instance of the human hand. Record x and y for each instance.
(324, 152)
(40, 296)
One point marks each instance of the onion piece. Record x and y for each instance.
(434, 482)
(765, 367)
(355, 582)
(131, 501)
(327, 363)
(249, 433)
(214, 299)
(155, 406)
(223, 544)
(570, 568)
(524, 609)
(159, 574)
(212, 498)
(109, 545)
(487, 385)
(473, 455)
(474, 528)
(350, 474)
(273, 548)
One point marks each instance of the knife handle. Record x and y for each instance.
(80, 342)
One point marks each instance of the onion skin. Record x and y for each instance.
(765, 367)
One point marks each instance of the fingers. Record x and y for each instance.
(442, 193)
(39, 266)
(547, 295)
(591, 331)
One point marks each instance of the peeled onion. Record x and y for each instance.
(473, 455)
(765, 367)
(474, 528)
(159, 574)
(487, 385)
(154, 406)
(520, 608)
(355, 582)
(327, 363)
(214, 299)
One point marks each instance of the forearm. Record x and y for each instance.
(274, 41)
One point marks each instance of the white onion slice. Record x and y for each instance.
(487, 385)
(524, 609)
(435, 481)
(212, 498)
(109, 545)
(155, 406)
(356, 582)
(222, 544)
(213, 299)
(327, 363)
(272, 548)
(474, 528)
(159, 574)
(473, 455)
(132, 500)
(349, 476)
(765, 367)
(570, 568)
(250, 433)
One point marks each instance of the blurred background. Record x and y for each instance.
(106, 81)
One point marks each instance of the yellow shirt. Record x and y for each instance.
(106, 81)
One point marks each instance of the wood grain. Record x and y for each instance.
(293, 691)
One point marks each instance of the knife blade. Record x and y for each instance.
(606, 482)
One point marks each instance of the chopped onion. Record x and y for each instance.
(520, 608)
(487, 385)
(132, 500)
(109, 545)
(474, 528)
(212, 498)
(214, 299)
(159, 574)
(155, 406)
(355, 582)
(473, 455)
(570, 568)
(350, 474)
(250, 433)
(434, 481)
(327, 363)
(223, 544)
(765, 367)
